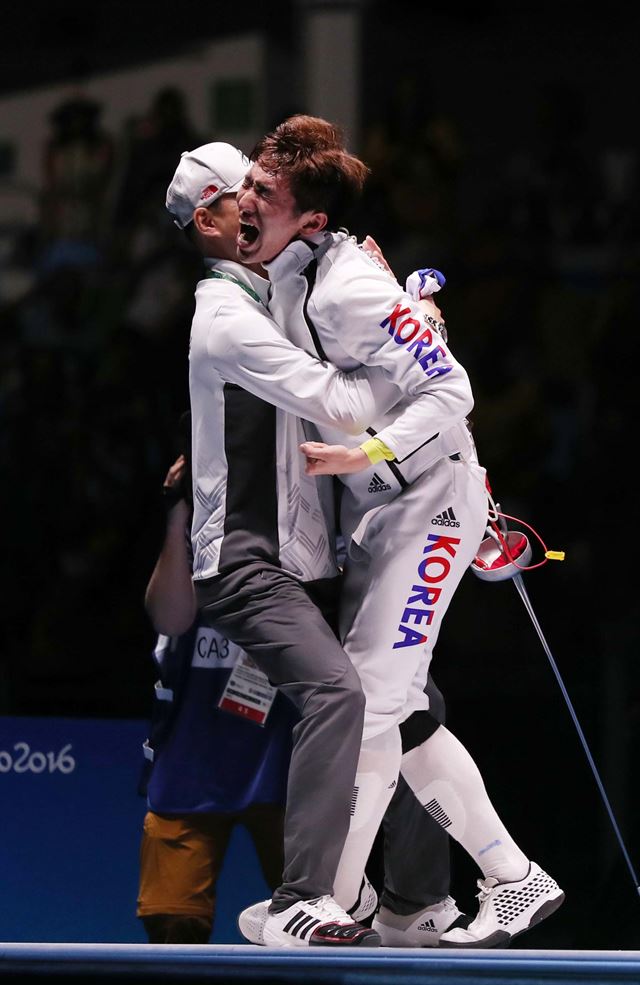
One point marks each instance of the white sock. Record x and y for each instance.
(375, 783)
(448, 784)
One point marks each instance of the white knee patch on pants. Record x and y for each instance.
(368, 788)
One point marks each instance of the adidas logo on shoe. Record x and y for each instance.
(446, 519)
(377, 485)
(429, 926)
(421, 929)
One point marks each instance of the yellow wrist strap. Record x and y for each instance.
(376, 451)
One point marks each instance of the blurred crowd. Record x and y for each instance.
(96, 312)
(541, 250)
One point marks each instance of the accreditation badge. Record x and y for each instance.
(248, 693)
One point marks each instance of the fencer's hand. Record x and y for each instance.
(372, 249)
(429, 307)
(332, 459)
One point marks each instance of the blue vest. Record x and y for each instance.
(202, 759)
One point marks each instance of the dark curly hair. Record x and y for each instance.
(310, 153)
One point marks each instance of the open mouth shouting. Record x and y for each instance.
(268, 216)
(247, 235)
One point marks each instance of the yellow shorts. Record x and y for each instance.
(181, 857)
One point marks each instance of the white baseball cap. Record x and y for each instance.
(202, 176)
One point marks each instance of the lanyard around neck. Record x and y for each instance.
(234, 280)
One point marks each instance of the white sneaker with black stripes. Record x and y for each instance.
(507, 909)
(308, 923)
(252, 920)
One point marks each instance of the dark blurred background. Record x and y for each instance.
(504, 143)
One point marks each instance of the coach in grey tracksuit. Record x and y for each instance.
(263, 554)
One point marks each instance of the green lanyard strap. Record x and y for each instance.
(234, 280)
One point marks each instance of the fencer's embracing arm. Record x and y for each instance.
(378, 324)
(245, 346)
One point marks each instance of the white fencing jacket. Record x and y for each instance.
(335, 301)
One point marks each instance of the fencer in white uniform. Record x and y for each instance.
(406, 556)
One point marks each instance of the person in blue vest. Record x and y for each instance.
(216, 755)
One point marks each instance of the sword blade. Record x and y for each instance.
(522, 592)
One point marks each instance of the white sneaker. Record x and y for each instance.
(307, 923)
(366, 903)
(252, 920)
(507, 909)
(421, 929)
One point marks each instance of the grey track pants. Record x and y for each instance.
(272, 617)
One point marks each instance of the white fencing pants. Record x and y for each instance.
(399, 580)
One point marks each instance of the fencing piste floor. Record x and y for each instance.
(235, 964)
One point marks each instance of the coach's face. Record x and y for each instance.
(269, 217)
(217, 226)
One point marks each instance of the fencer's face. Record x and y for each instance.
(269, 217)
